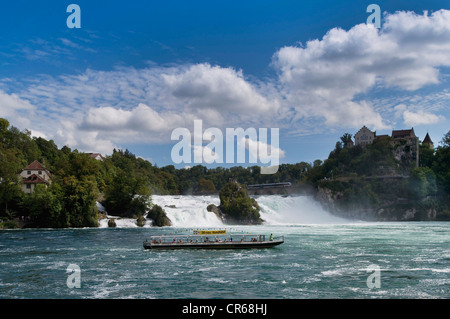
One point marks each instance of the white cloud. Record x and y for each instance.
(141, 124)
(212, 87)
(327, 77)
(129, 105)
(35, 133)
(12, 102)
(86, 141)
(260, 151)
(206, 154)
(420, 118)
(321, 85)
(17, 110)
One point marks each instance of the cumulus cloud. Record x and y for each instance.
(225, 89)
(141, 124)
(420, 118)
(261, 151)
(417, 114)
(14, 108)
(206, 154)
(129, 105)
(86, 141)
(325, 77)
(322, 84)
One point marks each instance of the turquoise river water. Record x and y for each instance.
(316, 261)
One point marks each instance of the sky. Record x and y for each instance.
(137, 70)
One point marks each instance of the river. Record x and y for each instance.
(323, 257)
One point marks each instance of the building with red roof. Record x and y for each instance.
(34, 174)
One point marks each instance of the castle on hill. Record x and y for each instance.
(411, 142)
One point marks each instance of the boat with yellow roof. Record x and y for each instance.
(212, 239)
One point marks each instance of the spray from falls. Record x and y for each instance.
(294, 210)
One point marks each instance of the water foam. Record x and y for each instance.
(190, 211)
(294, 210)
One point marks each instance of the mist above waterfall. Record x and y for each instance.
(292, 210)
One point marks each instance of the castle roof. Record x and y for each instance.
(364, 128)
(427, 140)
(402, 133)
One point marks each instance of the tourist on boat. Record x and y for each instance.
(271, 237)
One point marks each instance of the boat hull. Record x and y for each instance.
(214, 245)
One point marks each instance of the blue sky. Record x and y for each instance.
(136, 70)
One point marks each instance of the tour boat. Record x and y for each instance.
(212, 239)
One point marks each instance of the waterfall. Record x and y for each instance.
(294, 210)
(190, 211)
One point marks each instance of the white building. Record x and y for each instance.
(34, 174)
(364, 137)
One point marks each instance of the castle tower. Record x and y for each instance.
(427, 141)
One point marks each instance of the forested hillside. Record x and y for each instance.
(124, 182)
(371, 183)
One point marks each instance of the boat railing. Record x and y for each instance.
(183, 239)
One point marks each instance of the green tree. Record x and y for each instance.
(45, 208)
(22, 141)
(79, 201)
(237, 206)
(127, 195)
(423, 182)
(426, 156)
(346, 139)
(445, 142)
(205, 185)
(10, 192)
(4, 124)
(441, 165)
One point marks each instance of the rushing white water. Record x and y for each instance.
(190, 211)
(294, 210)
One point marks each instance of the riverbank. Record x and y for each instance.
(389, 208)
(310, 208)
(192, 211)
